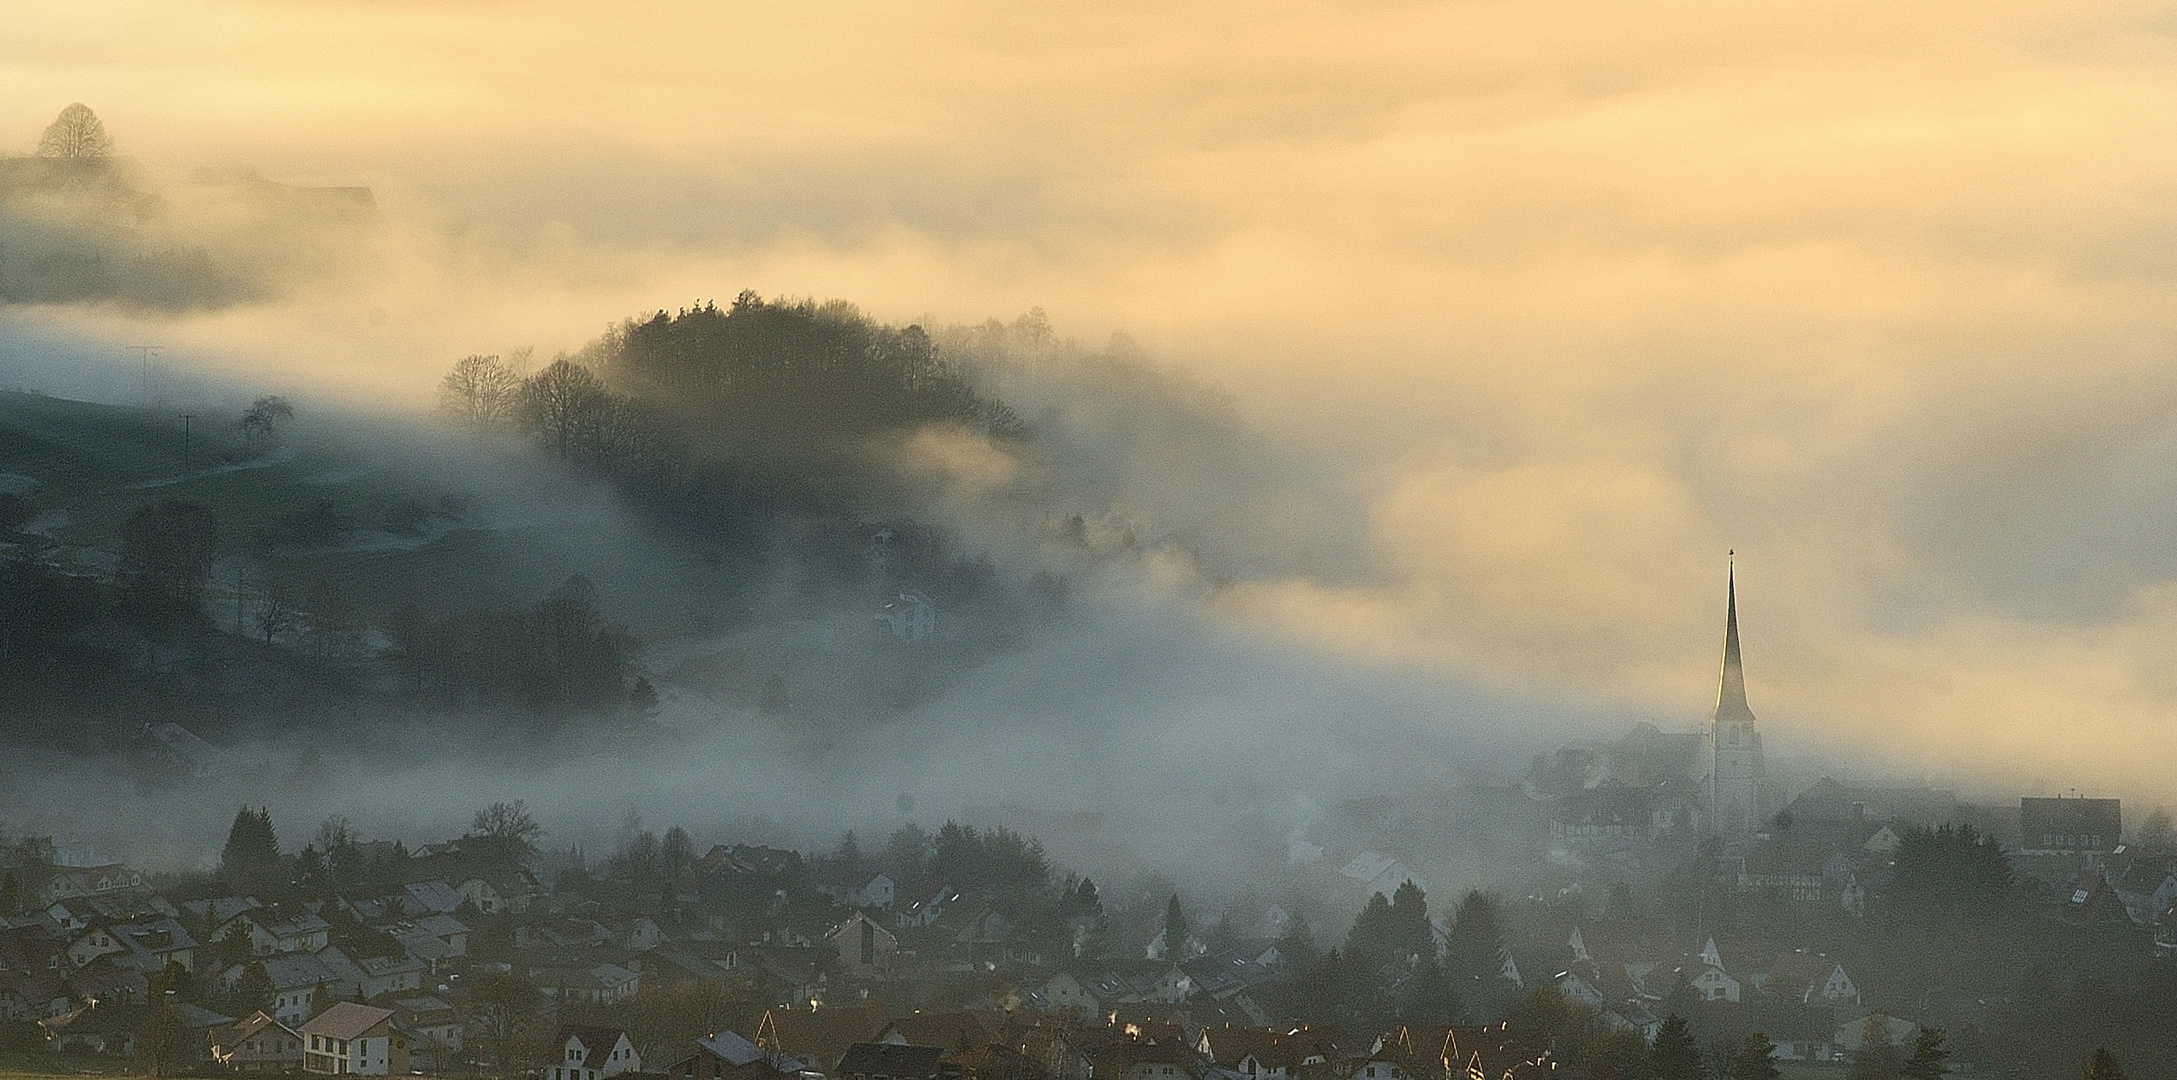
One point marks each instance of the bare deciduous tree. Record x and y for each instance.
(257, 422)
(76, 135)
(277, 612)
(507, 829)
(479, 392)
(565, 404)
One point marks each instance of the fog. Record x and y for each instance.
(1524, 318)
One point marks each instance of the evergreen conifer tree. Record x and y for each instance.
(2103, 1066)
(1409, 932)
(251, 857)
(1370, 936)
(1677, 1055)
(1175, 931)
(1928, 1055)
(1756, 1059)
(1878, 1058)
(1471, 956)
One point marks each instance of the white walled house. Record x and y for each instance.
(592, 1053)
(354, 1040)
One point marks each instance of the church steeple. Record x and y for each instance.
(1731, 688)
(1735, 782)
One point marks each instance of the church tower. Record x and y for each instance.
(1735, 767)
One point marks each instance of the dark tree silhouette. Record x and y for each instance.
(167, 548)
(566, 405)
(259, 419)
(2103, 1066)
(505, 1008)
(1877, 1058)
(479, 392)
(1928, 1055)
(1949, 873)
(251, 857)
(1756, 1060)
(1677, 1054)
(164, 1044)
(1472, 955)
(1175, 930)
(505, 830)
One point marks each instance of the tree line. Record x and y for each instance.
(746, 424)
(554, 658)
(756, 380)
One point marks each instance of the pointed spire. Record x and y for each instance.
(1731, 688)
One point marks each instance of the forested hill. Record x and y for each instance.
(764, 376)
(768, 435)
(780, 390)
(715, 506)
(700, 501)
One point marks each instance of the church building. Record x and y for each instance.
(1735, 766)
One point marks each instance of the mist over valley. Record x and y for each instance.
(1304, 544)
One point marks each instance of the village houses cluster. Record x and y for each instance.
(980, 964)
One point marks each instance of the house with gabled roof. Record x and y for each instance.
(1372, 872)
(790, 971)
(92, 942)
(430, 1021)
(864, 948)
(1147, 1059)
(890, 1061)
(1068, 993)
(488, 882)
(271, 933)
(1851, 1035)
(963, 1027)
(300, 982)
(508, 890)
(726, 1055)
(219, 909)
(32, 995)
(818, 1036)
(371, 976)
(1492, 1052)
(43, 885)
(582, 1052)
(432, 897)
(354, 1039)
(1793, 869)
(1245, 1050)
(162, 940)
(859, 888)
(258, 1044)
(101, 1027)
(991, 1061)
(105, 981)
(922, 903)
(1805, 977)
(597, 984)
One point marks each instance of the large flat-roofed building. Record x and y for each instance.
(2060, 825)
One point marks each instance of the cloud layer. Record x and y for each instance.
(1569, 298)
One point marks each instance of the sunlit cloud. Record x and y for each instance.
(1563, 301)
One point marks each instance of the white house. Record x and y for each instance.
(353, 1039)
(911, 617)
(592, 1053)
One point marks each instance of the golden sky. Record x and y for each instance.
(1582, 294)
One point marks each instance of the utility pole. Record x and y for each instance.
(185, 418)
(149, 353)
